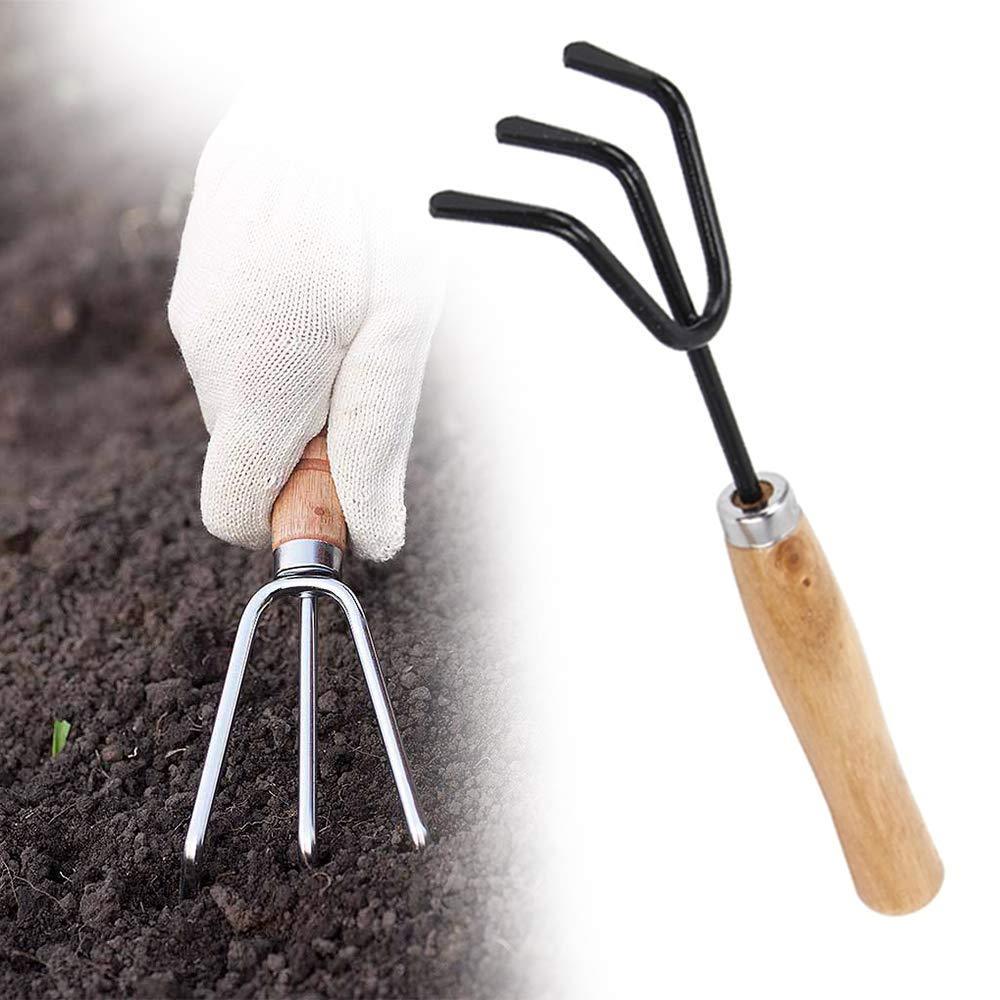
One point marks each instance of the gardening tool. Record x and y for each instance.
(309, 537)
(802, 626)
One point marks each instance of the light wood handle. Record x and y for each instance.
(308, 505)
(814, 656)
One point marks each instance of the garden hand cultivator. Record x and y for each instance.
(308, 538)
(798, 617)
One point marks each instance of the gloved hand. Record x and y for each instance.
(300, 302)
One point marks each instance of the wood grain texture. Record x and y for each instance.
(814, 656)
(308, 505)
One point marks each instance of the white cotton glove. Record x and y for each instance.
(301, 302)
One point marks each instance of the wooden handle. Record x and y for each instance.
(814, 656)
(308, 505)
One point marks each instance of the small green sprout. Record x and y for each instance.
(60, 733)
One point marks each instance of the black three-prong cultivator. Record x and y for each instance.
(687, 330)
(796, 611)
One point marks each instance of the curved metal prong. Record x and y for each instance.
(194, 842)
(398, 763)
(383, 711)
(497, 211)
(596, 62)
(307, 728)
(517, 131)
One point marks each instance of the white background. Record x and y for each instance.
(852, 153)
(853, 160)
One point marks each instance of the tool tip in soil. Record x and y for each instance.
(419, 835)
(190, 879)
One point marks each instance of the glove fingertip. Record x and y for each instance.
(376, 524)
(377, 547)
(243, 474)
(237, 523)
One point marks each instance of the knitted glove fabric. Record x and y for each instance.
(300, 302)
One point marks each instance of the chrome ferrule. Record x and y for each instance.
(307, 556)
(760, 527)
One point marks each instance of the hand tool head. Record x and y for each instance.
(686, 329)
(306, 568)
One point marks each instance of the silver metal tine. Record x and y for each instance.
(307, 728)
(383, 709)
(194, 842)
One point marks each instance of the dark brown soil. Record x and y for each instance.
(117, 611)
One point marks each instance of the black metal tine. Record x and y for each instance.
(604, 65)
(517, 131)
(686, 330)
(497, 211)
(589, 59)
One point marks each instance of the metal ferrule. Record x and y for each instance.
(307, 556)
(763, 526)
